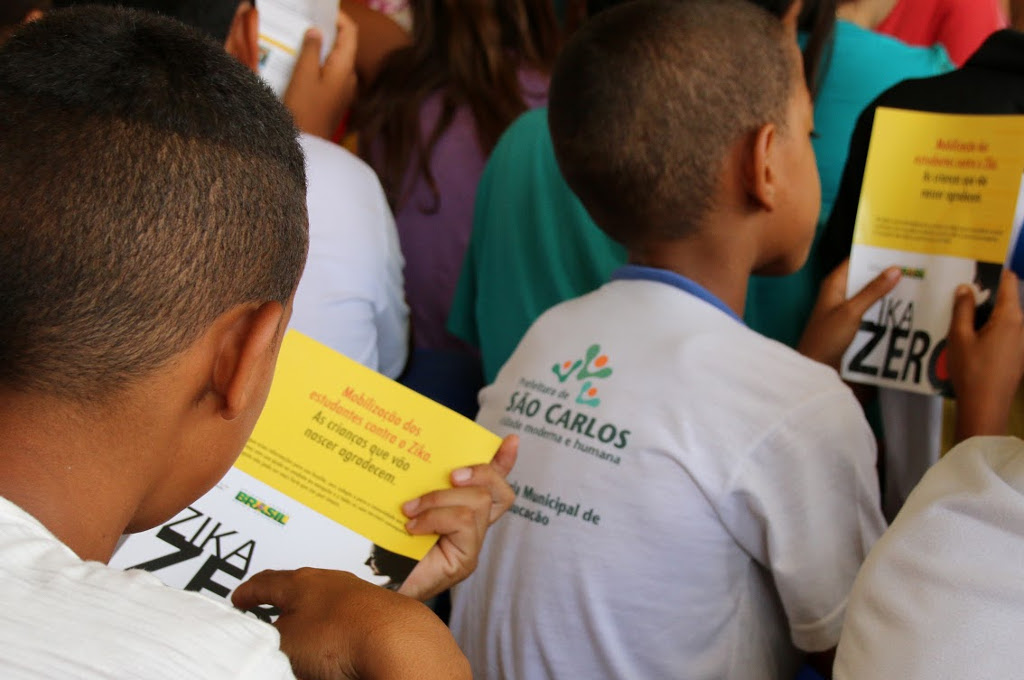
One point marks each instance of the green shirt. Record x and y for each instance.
(533, 245)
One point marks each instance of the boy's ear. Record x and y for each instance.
(761, 177)
(243, 42)
(245, 356)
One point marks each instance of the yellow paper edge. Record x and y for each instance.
(354, 445)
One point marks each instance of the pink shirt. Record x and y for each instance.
(959, 25)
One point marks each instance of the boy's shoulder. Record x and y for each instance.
(687, 343)
(110, 623)
(329, 164)
(957, 543)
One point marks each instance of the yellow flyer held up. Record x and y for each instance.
(942, 199)
(320, 483)
(354, 445)
(941, 184)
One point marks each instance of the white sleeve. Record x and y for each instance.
(806, 507)
(941, 595)
(351, 295)
(392, 311)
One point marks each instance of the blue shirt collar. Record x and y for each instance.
(636, 272)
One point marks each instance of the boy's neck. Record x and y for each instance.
(82, 477)
(719, 265)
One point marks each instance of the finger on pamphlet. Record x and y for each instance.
(835, 318)
(493, 476)
(460, 516)
(319, 95)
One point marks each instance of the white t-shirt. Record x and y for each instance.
(693, 499)
(66, 618)
(351, 296)
(941, 595)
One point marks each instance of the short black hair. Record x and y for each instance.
(648, 97)
(148, 183)
(212, 17)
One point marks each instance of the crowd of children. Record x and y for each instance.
(650, 270)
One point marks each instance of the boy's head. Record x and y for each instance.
(15, 12)
(653, 100)
(150, 184)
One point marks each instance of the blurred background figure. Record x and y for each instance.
(426, 125)
(1014, 9)
(958, 25)
(398, 10)
(15, 12)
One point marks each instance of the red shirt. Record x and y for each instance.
(959, 25)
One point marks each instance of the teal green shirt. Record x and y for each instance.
(533, 245)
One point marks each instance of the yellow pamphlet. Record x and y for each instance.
(337, 451)
(941, 199)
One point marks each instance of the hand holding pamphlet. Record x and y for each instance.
(337, 451)
(283, 26)
(942, 199)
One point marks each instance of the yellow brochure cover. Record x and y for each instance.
(320, 483)
(941, 198)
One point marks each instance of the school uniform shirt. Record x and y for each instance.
(67, 618)
(351, 296)
(693, 500)
(991, 82)
(941, 594)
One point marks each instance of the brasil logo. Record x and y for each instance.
(261, 507)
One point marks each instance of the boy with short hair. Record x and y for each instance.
(351, 296)
(693, 499)
(154, 227)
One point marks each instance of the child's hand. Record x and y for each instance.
(318, 96)
(986, 366)
(461, 516)
(335, 625)
(834, 320)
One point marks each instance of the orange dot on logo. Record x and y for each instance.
(567, 364)
(592, 392)
(601, 361)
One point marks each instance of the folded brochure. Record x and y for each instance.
(336, 452)
(942, 200)
(283, 26)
